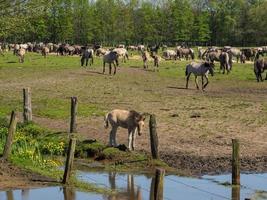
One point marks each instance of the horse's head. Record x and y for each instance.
(140, 121)
(210, 67)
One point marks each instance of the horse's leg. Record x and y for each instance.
(86, 61)
(110, 138)
(266, 76)
(104, 67)
(202, 79)
(187, 79)
(260, 77)
(92, 60)
(196, 82)
(115, 68)
(82, 61)
(130, 139)
(206, 82)
(109, 68)
(113, 135)
(257, 75)
(134, 138)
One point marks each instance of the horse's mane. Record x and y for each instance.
(135, 115)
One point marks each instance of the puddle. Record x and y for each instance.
(138, 187)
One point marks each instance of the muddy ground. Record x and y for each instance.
(195, 128)
(13, 177)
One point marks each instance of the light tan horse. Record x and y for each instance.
(21, 53)
(131, 120)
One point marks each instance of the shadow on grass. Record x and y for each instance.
(179, 88)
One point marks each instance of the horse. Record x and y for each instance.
(156, 59)
(122, 52)
(235, 52)
(100, 51)
(131, 120)
(21, 52)
(153, 48)
(169, 54)
(145, 56)
(45, 51)
(225, 62)
(185, 52)
(199, 69)
(86, 55)
(110, 57)
(259, 66)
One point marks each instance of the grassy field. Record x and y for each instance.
(233, 106)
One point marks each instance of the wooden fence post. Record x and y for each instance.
(158, 187)
(11, 131)
(153, 137)
(69, 161)
(235, 162)
(73, 124)
(27, 105)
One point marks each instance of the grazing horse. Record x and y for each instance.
(131, 120)
(100, 52)
(199, 69)
(21, 52)
(110, 57)
(86, 55)
(169, 54)
(259, 66)
(145, 56)
(225, 62)
(153, 48)
(45, 51)
(122, 52)
(235, 52)
(185, 52)
(156, 59)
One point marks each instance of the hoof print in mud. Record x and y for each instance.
(195, 115)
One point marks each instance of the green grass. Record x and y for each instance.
(233, 104)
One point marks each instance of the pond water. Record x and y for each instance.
(137, 187)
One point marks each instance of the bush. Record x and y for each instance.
(89, 148)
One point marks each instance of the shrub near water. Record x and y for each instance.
(29, 146)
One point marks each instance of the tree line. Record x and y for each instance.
(109, 22)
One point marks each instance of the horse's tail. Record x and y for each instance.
(106, 120)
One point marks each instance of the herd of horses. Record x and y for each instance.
(208, 56)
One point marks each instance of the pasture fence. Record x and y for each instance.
(235, 162)
(69, 161)
(11, 132)
(27, 105)
(73, 111)
(153, 137)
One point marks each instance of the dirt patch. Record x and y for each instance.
(13, 177)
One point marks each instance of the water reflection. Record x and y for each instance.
(25, 194)
(9, 195)
(236, 193)
(69, 193)
(130, 192)
(138, 187)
